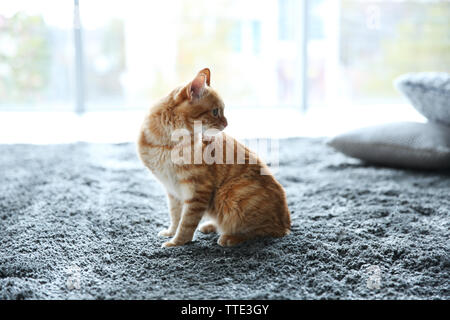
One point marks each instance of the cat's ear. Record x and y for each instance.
(207, 73)
(197, 86)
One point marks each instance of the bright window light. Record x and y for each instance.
(135, 52)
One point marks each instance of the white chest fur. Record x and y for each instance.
(158, 160)
(169, 180)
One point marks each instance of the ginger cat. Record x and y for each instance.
(239, 201)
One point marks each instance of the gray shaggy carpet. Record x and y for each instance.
(80, 221)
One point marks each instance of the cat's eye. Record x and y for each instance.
(215, 112)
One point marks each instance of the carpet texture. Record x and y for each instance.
(80, 222)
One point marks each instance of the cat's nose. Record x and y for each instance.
(225, 122)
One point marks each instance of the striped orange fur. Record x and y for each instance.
(238, 201)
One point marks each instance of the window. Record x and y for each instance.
(236, 37)
(153, 46)
(36, 55)
(357, 48)
(134, 55)
(286, 19)
(256, 36)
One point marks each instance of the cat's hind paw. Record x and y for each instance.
(208, 227)
(227, 240)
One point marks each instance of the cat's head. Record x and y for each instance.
(197, 101)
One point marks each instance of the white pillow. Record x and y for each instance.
(429, 93)
(401, 144)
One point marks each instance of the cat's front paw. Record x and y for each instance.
(166, 233)
(169, 244)
(172, 243)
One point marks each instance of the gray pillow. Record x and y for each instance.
(401, 144)
(429, 93)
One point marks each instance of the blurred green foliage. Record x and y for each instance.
(204, 39)
(24, 57)
(412, 36)
(210, 40)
